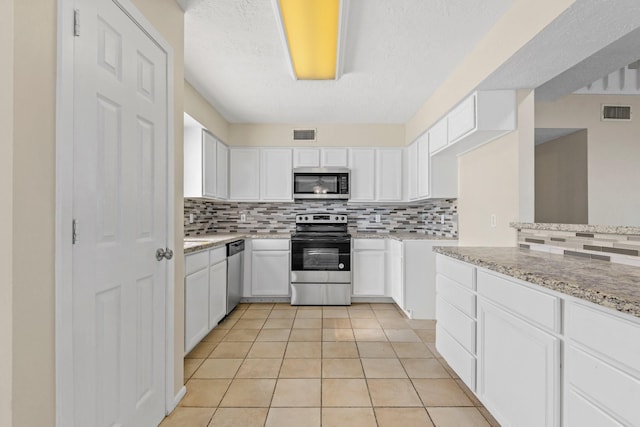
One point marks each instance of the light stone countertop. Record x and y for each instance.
(608, 284)
(578, 228)
(399, 236)
(207, 241)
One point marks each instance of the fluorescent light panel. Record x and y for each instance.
(311, 33)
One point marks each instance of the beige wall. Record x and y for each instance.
(34, 87)
(561, 180)
(168, 18)
(6, 209)
(613, 152)
(519, 25)
(488, 185)
(361, 135)
(498, 179)
(200, 109)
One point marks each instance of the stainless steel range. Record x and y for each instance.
(321, 260)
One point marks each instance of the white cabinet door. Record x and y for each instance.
(518, 369)
(423, 167)
(395, 280)
(438, 136)
(334, 157)
(222, 171)
(209, 165)
(412, 171)
(217, 293)
(362, 162)
(369, 273)
(276, 174)
(306, 157)
(193, 161)
(244, 174)
(389, 174)
(196, 308)
(462, 119)
(270, 273)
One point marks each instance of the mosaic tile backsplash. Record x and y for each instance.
(619, 248)
(224, 217)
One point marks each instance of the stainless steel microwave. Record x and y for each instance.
(321, 183)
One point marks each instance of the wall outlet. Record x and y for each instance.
(441, 219)
(493, 220)
(192, 218)
(377, 217)
(243, 217)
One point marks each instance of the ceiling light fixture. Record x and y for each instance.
(313, 34)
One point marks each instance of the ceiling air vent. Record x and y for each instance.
(308, 135)
(616, 112)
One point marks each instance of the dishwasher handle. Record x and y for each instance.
(235, 247)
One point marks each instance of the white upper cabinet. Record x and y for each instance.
(438, 136)
(320, 157)
(222, 171)
(362, 162)
(306, 157)
(412, 171)
(205, 163)
(423, 167)
(244, 167)
(462, 119)
(480, 118)
(276, 174)
(260, 174)
(334, 157)
(389, 174)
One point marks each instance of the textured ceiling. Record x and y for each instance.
(397, 53)
(588, 41)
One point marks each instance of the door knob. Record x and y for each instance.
(164, 253)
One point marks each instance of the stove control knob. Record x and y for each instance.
(306, 218)
(336, 218)
(344, 218)
(341, 266)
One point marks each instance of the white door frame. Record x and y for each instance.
(64, 213)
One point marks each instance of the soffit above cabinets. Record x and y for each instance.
(397, 53)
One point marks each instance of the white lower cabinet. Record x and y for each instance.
(217, 293)
(205, 293)
(270, 267)
(518, 369)
(602, 375)
(528, 369)
(196, 308)
(395, 280)
(369, 267)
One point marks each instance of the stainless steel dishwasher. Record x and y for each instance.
(235, 273)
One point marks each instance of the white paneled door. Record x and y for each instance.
(120, 203)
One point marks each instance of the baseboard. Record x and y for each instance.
(177, 400)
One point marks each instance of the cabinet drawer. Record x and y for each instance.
(607, 386)
(270, 244)
(369, 244)
(456, 295)
(217, 254)
(461, 327)
(607, 334)
(539, 307)
(582, 413)
(460, 360)
(195, 262)
(457, 271)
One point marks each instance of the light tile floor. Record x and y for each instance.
(363, 365)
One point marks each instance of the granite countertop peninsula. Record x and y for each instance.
(578, 228)
(398, 236)
(608, 284)
(207, 241)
